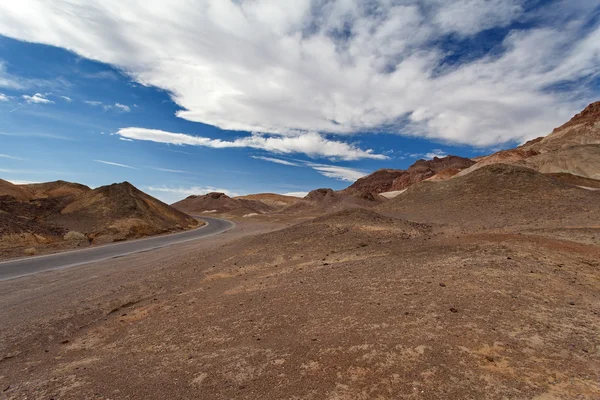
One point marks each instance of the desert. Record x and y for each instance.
(300, 200)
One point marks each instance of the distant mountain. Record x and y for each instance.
(277, 201)
(387, 180)
(220, 203)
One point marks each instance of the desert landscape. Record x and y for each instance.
(454, 279)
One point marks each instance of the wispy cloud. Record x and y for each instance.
(66, 98)
(37, 98)
(20, 182)
(296, 194)
(122, 107)
(311, 143)
(176, 171)
(337, 172)
(276, 161)
(3, 97)
(93, 103)
(115, 164)
(9, 157)
(123, 139)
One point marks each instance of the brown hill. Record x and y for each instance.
(511, 156)
(120, 211)
(321, 201)
(582, 129)
(497, 195)
(55, 189)
(577, 160)
(220, 203)
(9, 189)
(273, 200)
(387, 180)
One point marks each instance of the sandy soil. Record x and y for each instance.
(353, 306)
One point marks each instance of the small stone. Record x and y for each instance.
(490, 358)
(509, 258)
(6, 388)
(442, 284)
(572, 303)
(453, 310)
(64, 341)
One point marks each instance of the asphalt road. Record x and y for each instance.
(27, 266)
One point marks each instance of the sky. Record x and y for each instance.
(247, 96)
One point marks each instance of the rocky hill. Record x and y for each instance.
(582, 129)
(40, 215)
(9, 189)
(497, 195)
(220, 203)
(274, 200)
(121, 211)
(387, 180)
(321, 201)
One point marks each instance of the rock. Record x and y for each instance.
(442, 284)
(572, 303)
(453, 310)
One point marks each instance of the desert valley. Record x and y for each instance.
(456, 278)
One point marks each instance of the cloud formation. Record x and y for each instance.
(336, 172)
(115, 164)
(37, 98)
(276, 161)
(311, 143)
(3, 97)
(66, 98)
(339, 67)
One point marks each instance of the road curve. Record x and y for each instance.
(27, 266)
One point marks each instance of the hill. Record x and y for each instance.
(55, 189)
(9, 189)
(42, 214)
(497, 195)
(388, 180)
(274, 200)
(220, 203)
(582, 129)
(321, 201)
(120, 211)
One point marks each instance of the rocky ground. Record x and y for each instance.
(355, 305)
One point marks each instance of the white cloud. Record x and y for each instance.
(276, 161)
(19, 182)
(293, 71)
(3, 97)
(8, 157)
(312, 144)
(93, 103)
(336, 172)
(176, 171)
(172, 194)
(122, 107)
(123, 139)
(114, 164)
(66, 98)
(296, 194)
(435, 153)
(37, 98)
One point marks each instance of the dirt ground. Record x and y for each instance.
(350, 306)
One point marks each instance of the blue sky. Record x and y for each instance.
(247, 97)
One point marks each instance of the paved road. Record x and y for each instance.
(32, 265)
